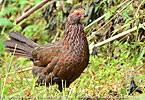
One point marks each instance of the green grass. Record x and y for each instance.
(104, 73)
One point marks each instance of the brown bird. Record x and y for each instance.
(54, 62)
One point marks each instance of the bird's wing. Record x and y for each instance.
(44, 54)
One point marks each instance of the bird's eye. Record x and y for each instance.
(77, 14)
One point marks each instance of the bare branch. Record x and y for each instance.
(29, 12)
(90, 37)
(19, 71)
(116, 36)
(94, 22)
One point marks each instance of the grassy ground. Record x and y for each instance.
(108, 74)
(103, 74)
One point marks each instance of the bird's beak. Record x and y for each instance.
(85, 15)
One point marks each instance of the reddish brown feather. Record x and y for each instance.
(62, 60)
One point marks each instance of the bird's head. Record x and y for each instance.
(77, 14)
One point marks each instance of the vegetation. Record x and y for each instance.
(112, 66)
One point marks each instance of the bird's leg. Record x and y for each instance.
(63, 84)
(45, 74)
(36, 70)
(60, 86)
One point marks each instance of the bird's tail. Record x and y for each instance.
(20, 45)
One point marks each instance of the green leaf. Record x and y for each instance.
(140, 57)
(96, 8)
(128, 19)
(28, 28)
(131, 7)
(5, 21)
(123, 91)
(113, 9)
(140, 77)
(37, 1)
(0, 69)
(125, 14)
(11, 9)
(4, 12)
(60, 13)
(6, 90)
(108, 15)
(2, 46)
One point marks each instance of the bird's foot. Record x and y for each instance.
(41, 79)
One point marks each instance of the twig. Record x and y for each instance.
(29, 12)
(37, 95)
(128, 24)
(97, 20)
(26, 69)
(90, 37)
(19, 71)
(116, 36)
(140, 67)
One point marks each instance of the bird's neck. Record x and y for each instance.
(74, 35)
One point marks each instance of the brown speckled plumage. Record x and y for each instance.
(54, 62)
